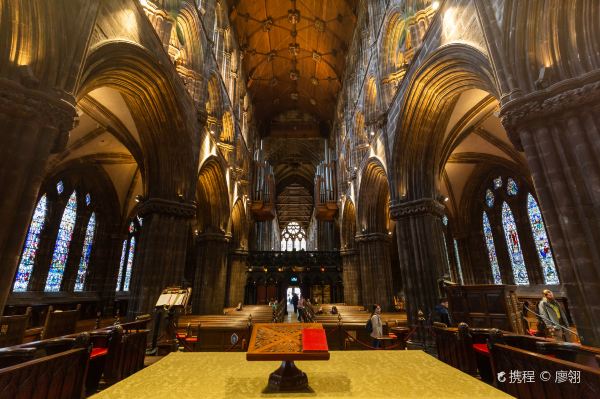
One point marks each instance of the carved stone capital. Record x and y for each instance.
(415, 208)
(213, 236)
(162, 206)
(544, 105)
(44, 108)
(348, 252)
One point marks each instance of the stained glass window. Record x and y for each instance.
(60, 187)
(85, 255)
(31, 246)
(542, 243)
(121, 265)
(489, 198)
(61, 248)
(511, 187)
(458, 265)
(497, 182)
(514, 246)
(129, 264)
(445, 220)
(293, 237)
(447, 258)
(491, 249)
(88, 199)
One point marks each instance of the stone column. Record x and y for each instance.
(208, 293)
(159, 260)
(559, 130)
(421, 253)
(351, 276)
(375, 270)
(35, 123)
(236, 277)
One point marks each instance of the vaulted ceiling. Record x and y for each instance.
(294, 53)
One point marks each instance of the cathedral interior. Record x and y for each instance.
(355, 152)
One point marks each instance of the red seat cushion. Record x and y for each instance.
(394, 336)
(98, 352)
(533, 332)
(482, 348)
(181, 335)
(191, 339)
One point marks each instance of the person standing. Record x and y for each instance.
(295, 302)
(376, 326)
(301, 309)
(553, 316)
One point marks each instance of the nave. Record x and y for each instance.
(419, 177)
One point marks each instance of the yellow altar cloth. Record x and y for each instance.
(348, 374)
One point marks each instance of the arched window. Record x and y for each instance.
(514, 246)
(491, 249)
(61, 248)
(86, 252)
(31, 246)
(542, 244)
(127, 257)
(293, 238)
(458, 265)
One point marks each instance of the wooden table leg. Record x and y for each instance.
(288, 378)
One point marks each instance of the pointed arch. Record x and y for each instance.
(32, 242)
(85, 255)
(514, 246)
(212, 196)
(62, 245)
(348, 232)
(542, 244)
(239, 226)
(374, 198)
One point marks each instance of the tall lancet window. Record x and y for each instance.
(491, 249)
(542, 243)
(30, 248)
(86, 252)
(514, 246)
(127, 257)
(61, 248)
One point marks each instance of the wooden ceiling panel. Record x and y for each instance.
(294, 53)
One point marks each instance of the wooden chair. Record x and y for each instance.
(506, 358)
(12, 328)
(60, 375)
(126, 356)
(11, 356)
(60, 323)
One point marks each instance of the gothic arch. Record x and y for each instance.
(561, 37)
(212, 197)
(348, 230)
(373, 199)
(189, 28)
(163, 112)
(433, 91)
(239, 226)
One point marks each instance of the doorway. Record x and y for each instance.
(291, 291)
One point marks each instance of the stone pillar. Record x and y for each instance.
(34, 123)
(159, 260)
(421, 253)
(236, 277)
(208, 293)
(559, 130)
(351, 276)
(376, 280)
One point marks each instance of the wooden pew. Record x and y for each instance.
(12, 329)
(127, 354)
(455, 347)
(60, 322)
(506, 358)
(59, 375)
(571, 352)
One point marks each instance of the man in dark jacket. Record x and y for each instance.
(295, 302)
(441, 314)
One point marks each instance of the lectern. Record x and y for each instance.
(171, 302)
